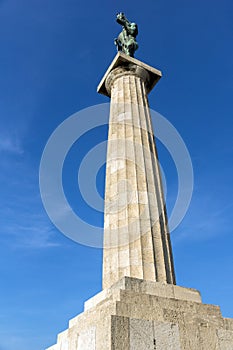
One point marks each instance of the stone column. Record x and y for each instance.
(136, 237)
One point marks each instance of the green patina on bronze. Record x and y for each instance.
(126, 41)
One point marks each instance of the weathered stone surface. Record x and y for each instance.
(153, 335)
(145, 287)
(86, 340)
(130, 317)
(225, 339)
(140, 307)
(136, 236)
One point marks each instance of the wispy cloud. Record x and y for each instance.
(24, 224)
(28, 231)
(202, 224)
(10, 144)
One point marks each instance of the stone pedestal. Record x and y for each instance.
(140, 315)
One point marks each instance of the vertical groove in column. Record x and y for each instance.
(120, 110)
(160, 198)
(143, 131)
(115, 122)
(139, 161)
(124, 251)
(156, 227)
(157, 244)
(165, 236)
(137, 244)
(149, 269)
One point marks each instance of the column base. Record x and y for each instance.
(141, 315)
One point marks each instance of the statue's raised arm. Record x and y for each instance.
(126, 41)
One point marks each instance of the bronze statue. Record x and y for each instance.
(126, 41)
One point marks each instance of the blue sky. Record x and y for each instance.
(53, 55)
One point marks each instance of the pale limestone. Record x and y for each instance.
(140, 307)
(86, 339)
(151, 335)
(225, 339)
(136, 312)
(134, 202)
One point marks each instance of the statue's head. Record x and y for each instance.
(134, 26)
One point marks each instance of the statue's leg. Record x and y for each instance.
(132, 47)
(118, 44)
(131, 50)
(128, 50)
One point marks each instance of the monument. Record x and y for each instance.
(140, 306)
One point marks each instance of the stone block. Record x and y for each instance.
(136, 314)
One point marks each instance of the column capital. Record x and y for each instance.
(129, 69)
(123, 64)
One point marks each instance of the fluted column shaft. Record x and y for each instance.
(136, 237)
